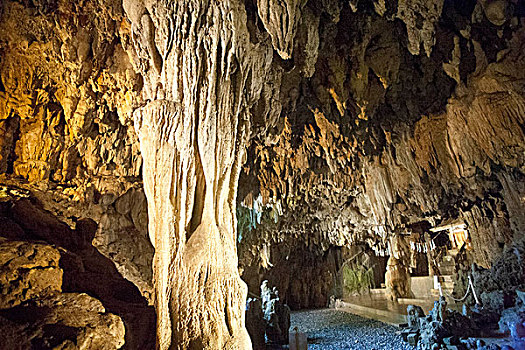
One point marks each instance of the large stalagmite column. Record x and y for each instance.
(201, 74)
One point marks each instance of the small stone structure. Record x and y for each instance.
(298, 340)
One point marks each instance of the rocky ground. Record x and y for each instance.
(331, 329)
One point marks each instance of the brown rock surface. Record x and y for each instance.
(362, 158)
(65, 321)
(27, 271)
(66, 97)
(77, 267)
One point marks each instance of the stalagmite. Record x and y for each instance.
(192, 134)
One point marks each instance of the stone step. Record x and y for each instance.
(447, 282)
(425, 303)
(447, 270)
(385, 316)
(446, 278)
(447, 285)
(381, 291)
(435, 292)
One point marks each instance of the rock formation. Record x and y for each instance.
(172, 142)
(380, 140)
(202, 74)
(67, 321)
(445, 328)
(255, 324)
(29, 270)
(66, 97)
(57, 288)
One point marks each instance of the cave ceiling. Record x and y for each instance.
(376, 115)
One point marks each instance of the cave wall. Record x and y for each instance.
(58, 290)
(67, 92)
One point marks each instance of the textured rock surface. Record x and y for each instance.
(64, 259)
(64, 321)
(501, 306)
(255, 324)
(66, 96)
(201, 86)
(380, 140)
(28, 270)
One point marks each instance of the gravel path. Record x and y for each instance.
(329, 329)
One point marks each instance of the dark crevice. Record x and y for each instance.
(14, 125)
(199, 195)
(2, 87)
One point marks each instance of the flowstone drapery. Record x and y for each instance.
(201, 75)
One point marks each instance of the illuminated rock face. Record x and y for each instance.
(66, 132)
(28, 271)
(201, 76)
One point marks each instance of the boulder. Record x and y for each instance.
(27, 270)
(62, 321)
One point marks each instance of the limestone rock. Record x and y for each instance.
(280, 19)
(497, 12)
(420, 18)
(191, 137)
(141, 111)
(27, 271)
(67, 93)
(323, 184)
(397, 279)
(512, 321)
(66, 321)
(80, 265)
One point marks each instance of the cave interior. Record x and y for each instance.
(188, 174)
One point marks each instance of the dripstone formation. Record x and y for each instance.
(182, 152)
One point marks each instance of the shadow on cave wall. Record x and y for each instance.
(85, 270)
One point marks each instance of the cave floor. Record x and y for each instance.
(335, 329)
